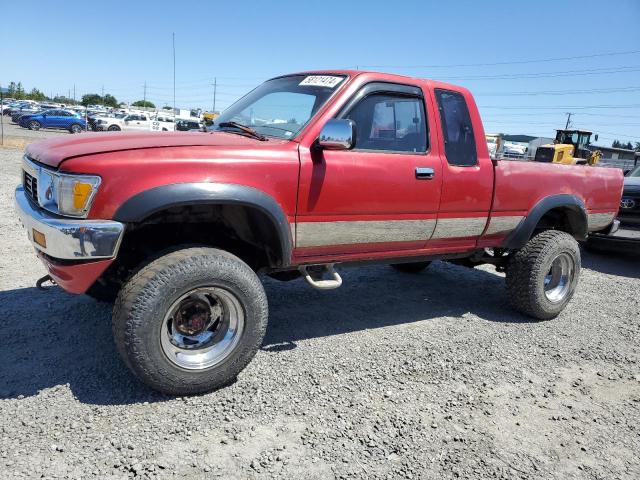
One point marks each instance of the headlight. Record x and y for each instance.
(63, 193)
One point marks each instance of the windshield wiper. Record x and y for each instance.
(243, 128)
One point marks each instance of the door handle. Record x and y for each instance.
(425, 173)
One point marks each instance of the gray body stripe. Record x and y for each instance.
(316, 234)
(503, 224)
(459, 227)
(598, 221)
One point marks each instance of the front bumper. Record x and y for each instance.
(68, 239)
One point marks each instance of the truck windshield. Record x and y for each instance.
(635, 172)
(282, 106)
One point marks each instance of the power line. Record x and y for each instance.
(560, 92)
(512, 62)
(564, 73)
(561, 107)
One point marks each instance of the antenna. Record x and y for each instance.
(174, 79)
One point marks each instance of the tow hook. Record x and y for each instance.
(40, 284)
(313, 275)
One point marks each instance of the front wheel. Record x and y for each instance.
(34, 125)
(113, 128)
(542, 277)
(190, 321)
(75, 128)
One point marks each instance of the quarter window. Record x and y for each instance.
(459, 142)
(390, 122)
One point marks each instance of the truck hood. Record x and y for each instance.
(54, 151)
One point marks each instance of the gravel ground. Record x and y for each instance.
(391, 376)
(17, 137)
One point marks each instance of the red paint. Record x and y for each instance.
(313, 186)
(76, 278)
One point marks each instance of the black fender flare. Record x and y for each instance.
(576, 213)
(144, 204)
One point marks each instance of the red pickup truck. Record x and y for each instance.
(305, 173)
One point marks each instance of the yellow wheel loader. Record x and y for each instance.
(569, 148)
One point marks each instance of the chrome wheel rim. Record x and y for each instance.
(35, 125)
(202, 328)
(557, 282)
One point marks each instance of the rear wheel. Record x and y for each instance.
(34, 125)
(413, 267)
(190, 321)
(113, 128)
(542, 277)
(75, 128)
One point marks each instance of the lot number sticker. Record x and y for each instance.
(321, 81)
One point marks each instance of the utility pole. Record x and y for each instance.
(144, 96)
(568, 120)
(1, 118)
(215, 86)
(74, 93)
(173, 41)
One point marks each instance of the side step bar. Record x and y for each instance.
(315, 278)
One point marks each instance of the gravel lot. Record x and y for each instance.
(17, 137)
(391, 376)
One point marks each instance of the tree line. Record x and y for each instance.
(17, 91)
(628, 145)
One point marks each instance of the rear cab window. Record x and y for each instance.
(457, 130)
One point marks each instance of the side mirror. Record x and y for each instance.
(595, 138)
(338, 134)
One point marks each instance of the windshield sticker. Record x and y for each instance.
(321, 81)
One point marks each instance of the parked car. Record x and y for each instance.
(186, 125)
(62, 119)
(94, 119)
(373, 167)
(630, 202)
(17, 114)
(110, 122)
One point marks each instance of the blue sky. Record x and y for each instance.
(120, 45)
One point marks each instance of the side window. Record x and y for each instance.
(459, 142)
(390, 122)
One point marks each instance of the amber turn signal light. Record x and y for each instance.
(39, 238)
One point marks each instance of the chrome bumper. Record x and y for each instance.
(69, 239)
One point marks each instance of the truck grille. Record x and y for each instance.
(544, 154)
(30, 184)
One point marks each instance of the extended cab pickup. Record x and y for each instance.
(307, 173)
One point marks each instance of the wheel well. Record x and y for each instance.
(565, 219)
(560, 212)
(244, 231)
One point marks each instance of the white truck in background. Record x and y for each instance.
(137, 121)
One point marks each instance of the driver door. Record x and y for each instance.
(384, 193)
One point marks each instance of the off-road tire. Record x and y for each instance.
(528, 267)
(142, 303)
(413, 267)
